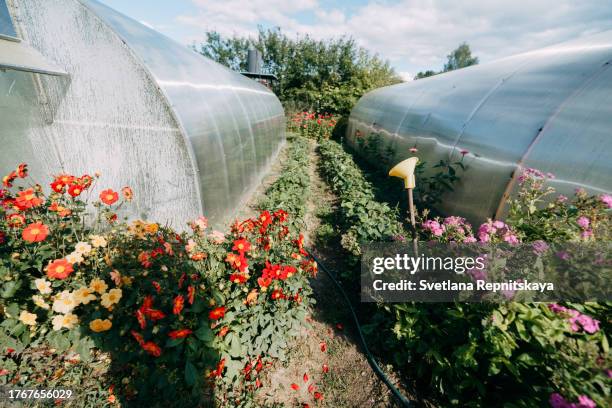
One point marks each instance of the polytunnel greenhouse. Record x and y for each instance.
(549, 109)
(83, 86)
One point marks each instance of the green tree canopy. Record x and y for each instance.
(460, 57)
(324, 75)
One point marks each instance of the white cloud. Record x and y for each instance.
(415, 34)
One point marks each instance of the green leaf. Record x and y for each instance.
(191, 374)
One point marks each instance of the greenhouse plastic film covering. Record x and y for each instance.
(189, 135)
(550, 109)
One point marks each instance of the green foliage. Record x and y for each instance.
(290, 188)
(320, 75)
(364, 218)
(460, 57)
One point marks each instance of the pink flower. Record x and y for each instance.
(562, 198)
(217, 237)
(583, 222)
(585, 402)
(606, 199)
(413, 150)
(434, 227)
(588, 324)
(469, 240)
(463, 152)
(511, 239)
(586, 234)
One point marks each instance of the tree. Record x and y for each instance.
(324, 75)
(421, 74)
(461, 57)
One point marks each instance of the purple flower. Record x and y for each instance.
(477, 274)
(539, 247)
(609, 373)
(606, 199)
(583, 222)
(557, 401)
(585, 402)
(557, 308)
(586, 234)
(563, 255)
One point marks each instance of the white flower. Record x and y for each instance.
(27, 318)
(64, 302)
(82, 248)
(75, 258)
(43, 286)
(62, 321)
(40, 302)
(98, 241)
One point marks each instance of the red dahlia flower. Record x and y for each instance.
(27, 199)
(16, 220)
(238, 278)
(179, 303)
(151, 348)
(137, 336)
(109, 197)
(179, 334)
(190, 294)
(217, 313)
(7, 181)
(241, 245)
(22, 170)
(75, 190)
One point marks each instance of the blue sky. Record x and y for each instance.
(413, 35)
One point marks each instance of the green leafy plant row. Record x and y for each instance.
(514, 355)
(364, 218)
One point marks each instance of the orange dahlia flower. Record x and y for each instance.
(59, 269)
(35, 232)
(109, 197)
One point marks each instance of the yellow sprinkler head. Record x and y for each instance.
(405, 170)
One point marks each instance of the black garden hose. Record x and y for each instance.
(401, 398)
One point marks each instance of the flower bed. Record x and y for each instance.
(176, 312)
(485, 354)
(312, 125)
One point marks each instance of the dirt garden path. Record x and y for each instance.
(326, 358)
